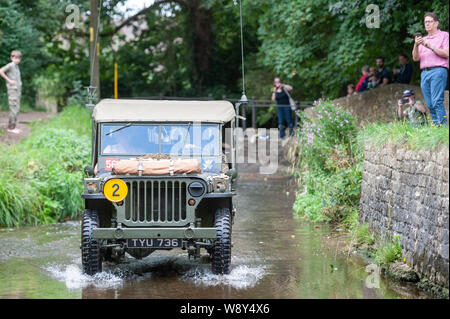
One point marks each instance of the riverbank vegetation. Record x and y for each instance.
(41, 177)
(328, 167)
(329, 157)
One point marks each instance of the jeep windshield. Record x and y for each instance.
(174, 139)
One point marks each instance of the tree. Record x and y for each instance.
(321, 45)
(17, 32)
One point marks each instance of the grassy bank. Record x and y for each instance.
(402, 134)
(41, 177)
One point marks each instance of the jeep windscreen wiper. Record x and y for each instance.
(119, 129)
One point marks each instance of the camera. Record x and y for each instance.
(404, 101)
(419, 34)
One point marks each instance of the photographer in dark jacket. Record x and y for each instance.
(404, 73)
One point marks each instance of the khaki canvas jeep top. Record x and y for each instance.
(161, 170)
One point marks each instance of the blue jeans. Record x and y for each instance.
(284, 115)
(433, 83)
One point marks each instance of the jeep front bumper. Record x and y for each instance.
(136, 233)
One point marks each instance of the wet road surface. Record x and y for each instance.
(275, 255)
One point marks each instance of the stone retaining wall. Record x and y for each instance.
(406, 193)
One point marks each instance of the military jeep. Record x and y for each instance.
(139, 211)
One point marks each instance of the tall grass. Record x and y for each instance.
(388, 251)
(41, 177)
(400, 133)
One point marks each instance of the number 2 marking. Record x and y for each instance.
(115, 191)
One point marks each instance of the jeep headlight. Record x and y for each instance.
(91, 185)
(196, 189)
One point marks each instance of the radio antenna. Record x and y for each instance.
(91, 90)
(243, 98)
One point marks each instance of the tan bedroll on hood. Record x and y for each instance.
(156, 167)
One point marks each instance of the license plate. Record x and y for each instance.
(154, 243)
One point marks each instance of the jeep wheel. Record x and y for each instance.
(221, 252)
(90, 248)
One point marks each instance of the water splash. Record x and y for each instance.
(75, 279)
(241, 277)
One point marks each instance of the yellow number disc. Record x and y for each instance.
(115, 190)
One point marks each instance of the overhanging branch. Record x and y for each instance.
(140, 13)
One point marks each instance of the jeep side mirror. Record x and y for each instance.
(232, 173)
(89, 171)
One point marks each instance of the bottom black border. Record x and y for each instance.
(274, 308)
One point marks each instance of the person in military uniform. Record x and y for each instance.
(409, 108)
(11, 74)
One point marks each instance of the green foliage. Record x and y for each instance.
(329, 163)
(78, 95)
(328, 143)
(41, 178)
(321, 45)
(317, 46)
(18, 32)
(388, 252)
(403, 134)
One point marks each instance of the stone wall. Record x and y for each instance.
(406, 193)
(380, 104)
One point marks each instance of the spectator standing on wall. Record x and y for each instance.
(360, 86)
(432, 52)
(383, 75)
(404, 73)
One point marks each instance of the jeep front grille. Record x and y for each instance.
(156, 202)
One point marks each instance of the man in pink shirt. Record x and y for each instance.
(432, 52)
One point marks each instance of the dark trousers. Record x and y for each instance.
(284, 116)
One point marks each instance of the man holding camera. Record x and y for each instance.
(411, 109)
(432, 52)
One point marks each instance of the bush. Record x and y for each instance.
(330, 167)
(41, 178)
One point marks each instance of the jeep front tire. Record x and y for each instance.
(221, 250)
(90, 248)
